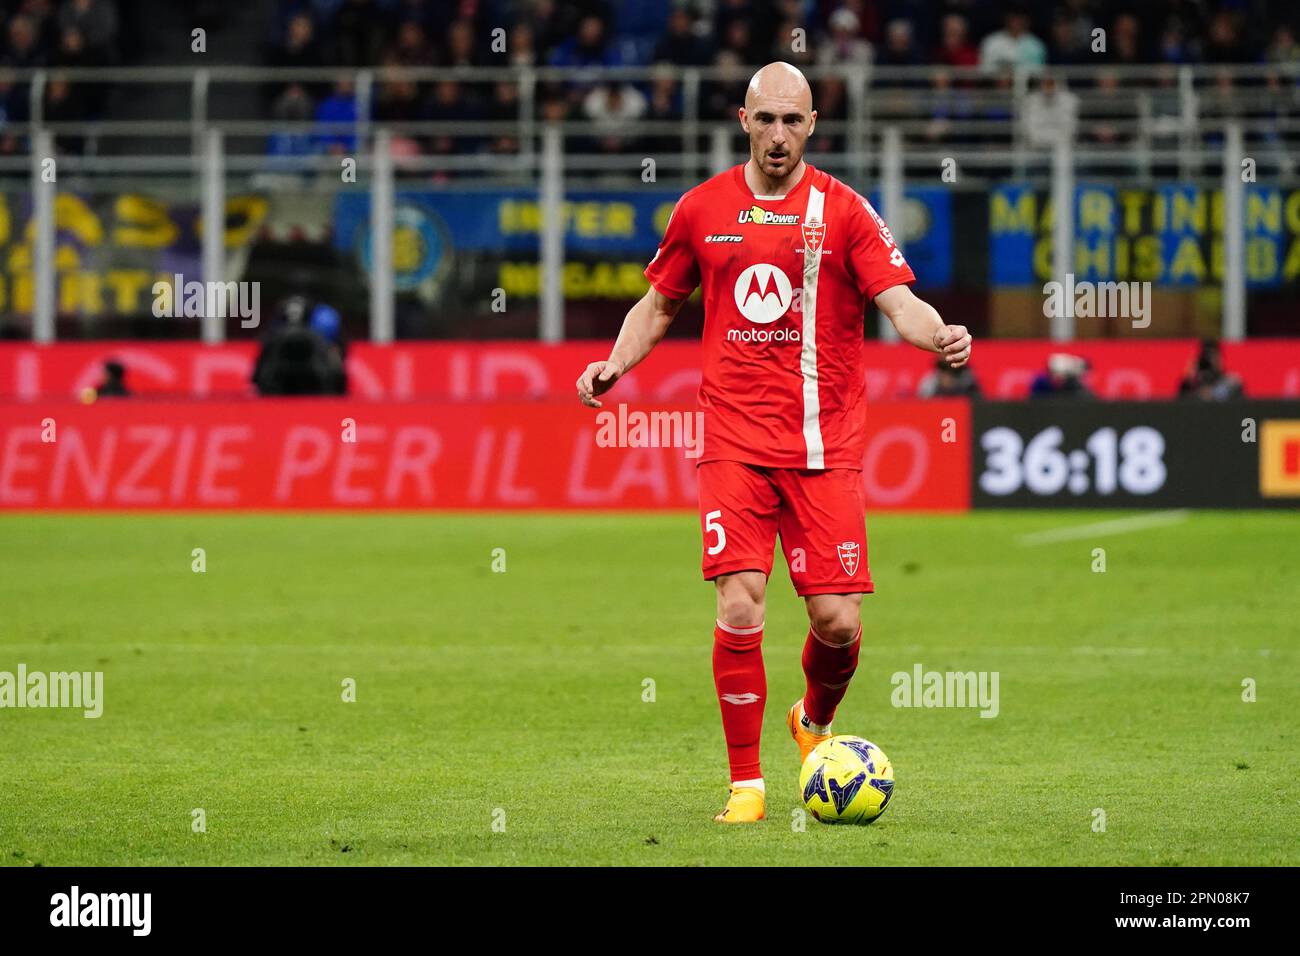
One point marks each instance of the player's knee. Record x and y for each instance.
(740, 610)
(837, 625)
(741, 599)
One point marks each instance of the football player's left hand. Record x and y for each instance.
(953, 343)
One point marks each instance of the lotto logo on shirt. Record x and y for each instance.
(765, 217)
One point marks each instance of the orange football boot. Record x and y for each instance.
(744, 805)
(804, 738)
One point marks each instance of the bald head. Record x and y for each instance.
(778, 117)
(778, 81)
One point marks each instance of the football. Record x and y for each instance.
(846, 780)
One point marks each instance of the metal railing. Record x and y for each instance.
(888, 129)
(1143, 117)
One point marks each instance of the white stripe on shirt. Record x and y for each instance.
(812, 262)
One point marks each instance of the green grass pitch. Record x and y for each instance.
(516, 698)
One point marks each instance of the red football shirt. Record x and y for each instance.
(786, 282)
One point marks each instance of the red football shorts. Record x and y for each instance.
(819, 515)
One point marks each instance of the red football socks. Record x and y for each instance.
(828, 669)
(742, 690)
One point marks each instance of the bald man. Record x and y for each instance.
(788, 258)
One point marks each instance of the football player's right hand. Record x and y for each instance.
(598, 379)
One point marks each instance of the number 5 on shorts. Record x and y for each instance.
(711, 525)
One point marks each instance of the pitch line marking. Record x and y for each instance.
(1098, 529)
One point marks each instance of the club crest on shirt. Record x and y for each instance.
(848, 552)
(814, 231)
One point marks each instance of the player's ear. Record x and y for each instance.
(744, 120)
(812, 122)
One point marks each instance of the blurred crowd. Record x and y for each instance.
(54, 33)
(990, 35)
(1066, 376)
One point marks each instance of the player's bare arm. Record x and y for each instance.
(642, 330)
(920, 324)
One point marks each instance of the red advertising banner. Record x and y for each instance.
(354, 454)
(496, 371)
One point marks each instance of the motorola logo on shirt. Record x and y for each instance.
(763, 293)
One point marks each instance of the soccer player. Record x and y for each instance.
(788, 258)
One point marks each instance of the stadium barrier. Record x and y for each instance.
(939, 455)
(353, 454)
(460, 370)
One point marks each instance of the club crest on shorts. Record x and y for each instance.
(814, 231)
(848, 552)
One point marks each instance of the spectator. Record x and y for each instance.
(292, 106)
(1013, 45)
(741, 25)
(832, 105)
(1224, 43)
(1125, 40)
(664, 106)
(65, 103)
(13, 109)
(338, 108)
(1207, 380)
(899, 48)
(1109, 109)
(724, 96)
(612, 109)
(738, 39)
(1282, 48)
(96, 20)
(589, 47)
(945, 382)
(451, 99)
(504, 108)
(555, 105)
(412, 47)
(1051, 114)
(681, 44)
(398, 101)
(845, 43)
(299, 48)
(24, 52)
(1069, 48)
(1063, 378)
(955, 48)
(948, 105)
(1175, 45)
(1072, 30)
(521, 46)
(74, 52)
(548, 27)
(459, 50)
